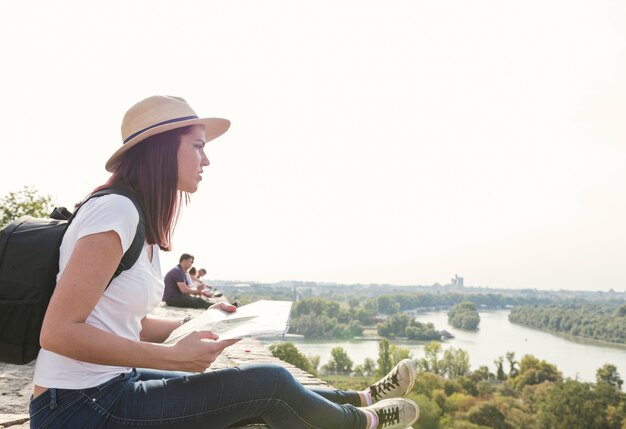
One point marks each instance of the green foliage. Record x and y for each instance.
(26, 201)
(289, 353)
(398, 354)
(464, 316)
(401, 325)
(534, 371)
(571, 405)
(599, 321)
(430, 361)
(484, 388)
(340, 362)
(387, 305)
(430, 412)
(458, 401)
(322, 318)
(453, 364)
(499, 363)
(426, 383)
(385, 361)
(487, 414)
(367, 369)
(533, 396)
(528, 393)
(393, 326)
(483, 373)
(607, 373)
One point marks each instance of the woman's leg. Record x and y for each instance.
(220, 398)
(341, 396)
(397, 383)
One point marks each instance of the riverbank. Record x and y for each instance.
(575, 358)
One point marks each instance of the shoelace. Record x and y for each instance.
(388, 416)
(386, 384)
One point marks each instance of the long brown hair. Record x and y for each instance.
(150, 168)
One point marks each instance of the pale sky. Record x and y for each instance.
(372, 141)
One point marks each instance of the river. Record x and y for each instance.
(575, 358)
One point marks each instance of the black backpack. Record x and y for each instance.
(29, 263)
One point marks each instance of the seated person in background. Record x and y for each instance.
(202, 273)
(199, 284)
(207, 290)
(179, 288)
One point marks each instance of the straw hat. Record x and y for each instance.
(158, 114)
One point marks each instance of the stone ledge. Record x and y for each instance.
(13, 420)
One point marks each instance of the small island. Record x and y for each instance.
(464, 316)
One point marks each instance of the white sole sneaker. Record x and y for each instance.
(399, 382)
(395, 413)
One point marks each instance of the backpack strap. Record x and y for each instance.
(134, 251)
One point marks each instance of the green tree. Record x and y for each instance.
(534, 371)
(571, 405)
(288, 352)
(455, 362)
(513, 364)
(367, 369)
(398, 354)
(386, 305)
(500, 374)
(26, 201)
(430, 361)
(487, 414)
(430, 412)
(483, 373)
(315, 363)
(608, 373)
(393, 326)
(385, 362)
(340, 362)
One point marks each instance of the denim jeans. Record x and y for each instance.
(215, 399)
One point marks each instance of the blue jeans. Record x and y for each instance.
(215, 399)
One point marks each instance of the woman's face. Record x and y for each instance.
(191, 159)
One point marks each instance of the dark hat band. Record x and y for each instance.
(169, 121)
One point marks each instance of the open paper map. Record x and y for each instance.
(257, 320)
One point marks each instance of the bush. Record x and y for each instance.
(27, 201)
(289, 353)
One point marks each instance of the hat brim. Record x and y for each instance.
(213, 128)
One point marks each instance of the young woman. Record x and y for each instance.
(98, 336)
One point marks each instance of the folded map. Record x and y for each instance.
(261, 319)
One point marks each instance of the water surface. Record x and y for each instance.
(575, 358)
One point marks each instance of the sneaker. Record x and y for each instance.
(397, 383)
(396, 413)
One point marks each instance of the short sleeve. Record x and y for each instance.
(108, 213)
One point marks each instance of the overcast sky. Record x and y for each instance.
(393, 142)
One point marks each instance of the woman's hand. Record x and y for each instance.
(198, 350)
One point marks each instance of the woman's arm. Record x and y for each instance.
(186, 289)
(81, 285)
(157, 329)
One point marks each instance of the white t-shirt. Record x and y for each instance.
(127, 300)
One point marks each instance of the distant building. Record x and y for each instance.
(456, 283)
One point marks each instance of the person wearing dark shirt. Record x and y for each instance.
(179, 289)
